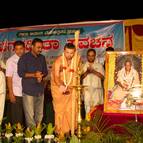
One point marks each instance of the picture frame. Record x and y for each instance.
(123, 82)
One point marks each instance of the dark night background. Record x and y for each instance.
(54, 12)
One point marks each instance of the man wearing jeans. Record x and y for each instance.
(32, 68)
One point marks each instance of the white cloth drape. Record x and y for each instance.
(2, 94)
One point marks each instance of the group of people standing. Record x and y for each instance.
(25, 76)
(25, 73)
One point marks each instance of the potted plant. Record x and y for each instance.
(29, 132)
(18, 129)
(49, 133)
(18, 133)
(8, 132)
(38, 130)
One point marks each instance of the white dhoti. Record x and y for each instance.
(93, 94)
(92, 97)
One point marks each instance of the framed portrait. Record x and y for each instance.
(124, 82)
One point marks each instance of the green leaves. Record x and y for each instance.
(8, 128)
(29, 132)
(74, 139)
(18, 128)
(50, 129)
(134, 130)
(111, 137)
(18, 139)
(39, 128)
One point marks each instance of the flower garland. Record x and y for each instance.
(67, 83)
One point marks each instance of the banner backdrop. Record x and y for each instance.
(96, 35)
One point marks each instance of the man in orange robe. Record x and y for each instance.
(63, 77)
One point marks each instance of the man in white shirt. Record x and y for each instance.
(15, 85)
(93, 73)
(2, 94)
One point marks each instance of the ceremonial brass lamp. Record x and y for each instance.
(79, 87)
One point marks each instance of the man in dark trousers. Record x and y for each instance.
(14, 84)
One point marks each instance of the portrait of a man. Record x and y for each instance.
(123, 74)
